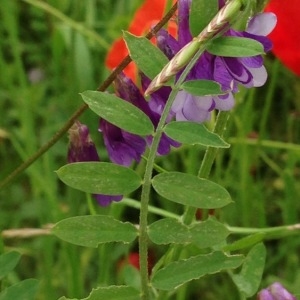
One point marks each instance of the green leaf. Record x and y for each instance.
(231, 46)
(118, 112)
(208, 233)
(148, 58)
(85, 76)
(202, 12)
(130, 276)
(248, 280)
(203, 234)
(202, 87)
(166, 231)
(190, 190)
(24, 290)
(99, 178)
(180, 272)
(90, 231)
(192, 133)
(245, 242)
(8, 261)
(113, 293)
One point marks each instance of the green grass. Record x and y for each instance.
(67, 42)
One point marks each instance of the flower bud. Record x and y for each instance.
(81, 146)
(83, 149)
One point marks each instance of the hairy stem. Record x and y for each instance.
(143, 238)
(145, 196)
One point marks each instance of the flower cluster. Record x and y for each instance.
(275, 292)
(228, 71)
(124, 148)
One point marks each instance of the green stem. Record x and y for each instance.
(91, 205)
(265, 143)
(152, 209)
(143, 236)
(271, 232)
(210, 154)
(207, 162)
(204, 171)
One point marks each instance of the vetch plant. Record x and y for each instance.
(217, 60)
(208, 68)
(183, 81)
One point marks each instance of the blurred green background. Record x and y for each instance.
(49, 53)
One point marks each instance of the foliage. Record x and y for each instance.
(51, 53)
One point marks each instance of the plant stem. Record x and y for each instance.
(204, 171)
(143, 236)
(265, 143)
(271, 232)
(207, 162)
(152, 209)
(210, 154)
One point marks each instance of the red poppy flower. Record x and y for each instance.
(145, 17)
(133, 259)
(285, 36)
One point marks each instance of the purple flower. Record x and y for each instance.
(228, 71)
(82, 149)
(124, 147)
(275, 292)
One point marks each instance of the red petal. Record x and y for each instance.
(151, 10)
(117, 53)
(145, 17)
(285, 36)
(134, 260)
